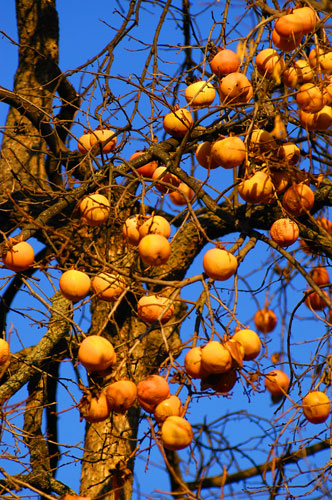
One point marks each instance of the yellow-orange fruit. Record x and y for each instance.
(146, 170)
(320, 60)
(298, 199)
(289, 153)
(155, 225)
(322, 120)
(216, 358)
(298, 73)
(181, 194)
(289, 25)
(177, 123)
(154, 249)
(257, 189)
(265, 320)
(235, 88)
(108, 286)
(84, 143)
(152, 307)
(288, 43)
(4, 351)
(276, 382)
(167, 408)
(176, 433)
(19, 257)
(151, 391)
(103, 138)
(320, 276)
(193, 363)
(325, 224)
(310, 98)
(75, 497)
(96, 353)
(262, 141)
(308, 18)
(130, 230)
(269, 62)
(121, 395)
(224, 62)
(229, 152)
(74, 285)
(280, 179)
(203, 155)
(166, 177)
(200, 94)
(250, 341)
(219, 264)
(315, 302)
(284, 232)
(94, 408)
(95, 209)
(316, 407)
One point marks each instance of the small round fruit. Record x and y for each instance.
(200, 94)
(203, 155)
(182, 195)
(277, 382)
(315, 302)
(265, 320)
(289, 153)
(151, 391)
(193, 363)
(146, 170)
(95, 209)
(322, 120)
(155, 225)
(177, 123)
(320, 60)
(74, 285)
(4, 352)
(269, 62)
(320, 276)
(219, 264)
(163, 175)
(286, 44)
(176, 433)
(154, 249)
(250, 341)
(75, 497)
(310, 98)
(121, 395)
(150, 308)
(216, 358)
(284, 232)
(308, 18)
(261, 141)
(108, 286)
(167, 408)
(19, 257)
(96, 353)
(95, 408)
(224, 62)
(84, 143)
(298, 199)
(130, 230)
(235, 88)
(229, 152)
(104, 138)
(256, 189)
(289, 25)
(316, 407)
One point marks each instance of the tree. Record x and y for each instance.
(47, 169)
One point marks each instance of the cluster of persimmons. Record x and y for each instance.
(268, 166)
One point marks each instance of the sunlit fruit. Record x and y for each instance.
(151, 391)
(289, 153)
(219, 264)
(84, 144)
(203, 155)
(151, 308)
(154, 249)
(320, 60)
(256, 189)
(325, 224)
(289, 25)
(320, 275)
(4, 352)
(178, 122)
(181, 195)
(235, 88)
(176, 433)
(288, 43)
(104, 139)
(146, 170)
(224, 62)
(269, 62)
(229, 152)
(156, 224)
(200, 94)
(193, 363)
(276, 382)
(298, 199)
(298, 73)
(95, 209)
(121, 395)
(167, 408)
(308, 18)
(108, 286)
(220, 382)
(216, 358)
(19, 256)
(280, 179)
(265, 320)
(96, 353)
(250, 341)
(74, 285)
(315, 302)
(94, 408)
(168, 180)
(75, 497)
(316, 407)
(310, 98)
(284, 232)
(262, 141)
(322, 120)
(130, 230)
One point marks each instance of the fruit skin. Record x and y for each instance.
(99, 137)
(289, 25)
(224, 62)
(219, 264)
(151, 391)
(284, 232)
(108, 286)
(95, 209)
(203, 155)
(121, 395)
(229, 152)
(167, 408)
(308, 18)
(315, 302)
(176, 433)
(320, 276)
(177, 196)
(150, 307)
(165, 176)
(4, 352)
(155, 225)
(94, 408)
(257, 189)
(146, 170)
(200, 94)
(262, 141)
(265, 320)
(19, 257)
(96, 353)
(130, 230)
(74, 285)
(276, 382)
(316, 407)
(288, 43)
(310, 98)
(250, 341)
(84, 143)
(298, 199)
(193, 363)
(289, 153)
(154, 249)
(320, 59)
(322, 120)
(75, 497)
(216, 358)
(235, 88)
(268, 62)
(177, 123)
